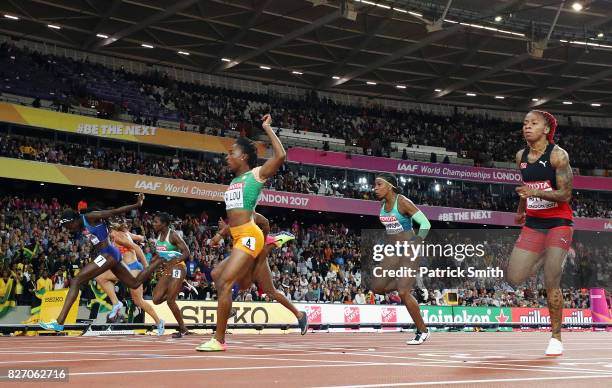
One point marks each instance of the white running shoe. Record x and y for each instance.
(555, 348)
(115, 310)
(419, 338)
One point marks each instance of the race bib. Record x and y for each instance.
(539, 203)
(248, 242)
(392, 224)
(92, 238)
(100, 261)
(176, 273)
(234, 196)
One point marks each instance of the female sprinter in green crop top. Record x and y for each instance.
(397, 214)
(240, 201)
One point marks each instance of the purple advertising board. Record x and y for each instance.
(438, 213)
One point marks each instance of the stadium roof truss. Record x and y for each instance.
(490, 53)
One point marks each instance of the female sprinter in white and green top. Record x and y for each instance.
(248, 239)
(396, 214)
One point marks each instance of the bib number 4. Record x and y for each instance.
(249, 242)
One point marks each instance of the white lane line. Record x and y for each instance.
(148, 358)
(240, 368)
(470, 362)
(449, 382)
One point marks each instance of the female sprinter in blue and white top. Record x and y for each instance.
(397, 214)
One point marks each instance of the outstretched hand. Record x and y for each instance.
(140, 199)
(267, 120)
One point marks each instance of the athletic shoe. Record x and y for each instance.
(211, 346)
(190, 286)
(53, 325)
(114, 311)
(419, 338)
(303, 322)
(161, 328)
(180, 334)
(555, 348)
(282, 238)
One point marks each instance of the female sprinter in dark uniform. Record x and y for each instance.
(261, 273)
(547, 232)
(240, 202)
(107, 256)
(396, 214)
(170, 247)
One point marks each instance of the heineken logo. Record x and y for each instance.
(463, 315)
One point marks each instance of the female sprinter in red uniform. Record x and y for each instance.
(547, 232)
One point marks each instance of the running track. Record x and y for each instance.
(511, 359)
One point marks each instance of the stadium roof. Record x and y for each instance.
(490, 53)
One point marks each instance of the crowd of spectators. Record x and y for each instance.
(321, 265)
(292, 177)
(152, 96)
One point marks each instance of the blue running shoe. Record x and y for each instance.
(161, 328)
(53, 325)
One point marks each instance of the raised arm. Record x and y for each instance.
(105, 214)
(272, 165)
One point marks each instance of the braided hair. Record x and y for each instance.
(552, 124)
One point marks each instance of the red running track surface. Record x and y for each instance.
(511, 359)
